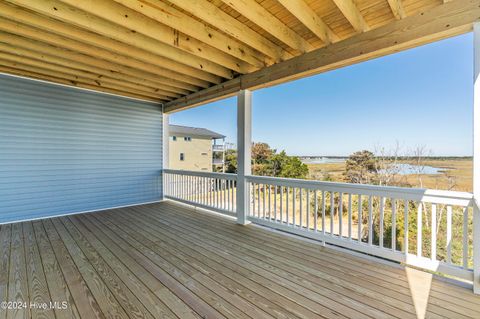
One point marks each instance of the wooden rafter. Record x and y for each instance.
(37, 52)
(443, 21)
(108, 28)
(59, 70)
(267, 21)
(76, 39)
(211, 14)
(352, 14)
(69, 81)
(310, 19)
(168, 15)
(397, 8)
(103, 67)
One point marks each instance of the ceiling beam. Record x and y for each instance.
(434, 24)
(77, 39)
(35, 52)
(101, 25)
(176, 19)
(254, 12)
(73, 82)
(218, 18)
(110, 69)
(352, 14)
(397, 9)
(152, 29)
(29, 65)
(310, 19)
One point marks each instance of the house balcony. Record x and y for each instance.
(168, 260)
(218, 147)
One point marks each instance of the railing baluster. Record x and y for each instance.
(394, 224)
(349, 216)
(449, 234)
(269, 202)
(264, 190)
(332, 211)
(434, 233)
(359, 218)
(300, 222)
(419, 229)
(465, 238)
(370, 220)
(323, 213)
(275, 202)
(294, 201)
(340, 214)
(281, 204)
(288, 208)
(308, 209)
(381, 222)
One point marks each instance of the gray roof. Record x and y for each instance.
(194, 131)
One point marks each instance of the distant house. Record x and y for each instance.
(193, 148)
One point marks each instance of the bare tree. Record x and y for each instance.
(388, 168)
(418, 157)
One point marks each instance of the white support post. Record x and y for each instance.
(165, 148)
(476, 158)
(244, 154)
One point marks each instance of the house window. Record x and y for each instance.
(182, 156)
(174, 138)
(187, 138)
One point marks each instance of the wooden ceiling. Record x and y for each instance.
(187, 52)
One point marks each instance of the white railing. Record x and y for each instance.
(214, 191)
(365, 218)
(372, 220)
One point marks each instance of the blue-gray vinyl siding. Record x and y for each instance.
(65, 150)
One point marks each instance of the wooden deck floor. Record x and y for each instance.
(168, 261)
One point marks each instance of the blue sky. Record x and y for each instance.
(421, 96)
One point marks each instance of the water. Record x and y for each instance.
(407, 169)
(401, 168)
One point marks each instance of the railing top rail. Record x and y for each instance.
(417, 194)
(227, 176)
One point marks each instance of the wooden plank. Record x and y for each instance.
(76, 68)
(353, 15)
(124, 297)
(18, 282)
(37, 283)
(177, 20)
(15, 68)
(22, 22)
(87, 306)
(435, 305)
(218, 18)
(196, 303)
(105, 24)
(267, 21)
(5, 240)
(440, 22)
(310, 19)
(57, 285)
(155, 296)
(219, 301)
(209, 239)
(107, 302)
(101, 66)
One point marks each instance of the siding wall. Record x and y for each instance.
(65, 150)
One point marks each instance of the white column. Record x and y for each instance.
(476, 158)
(165, 147)
(244, 153)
